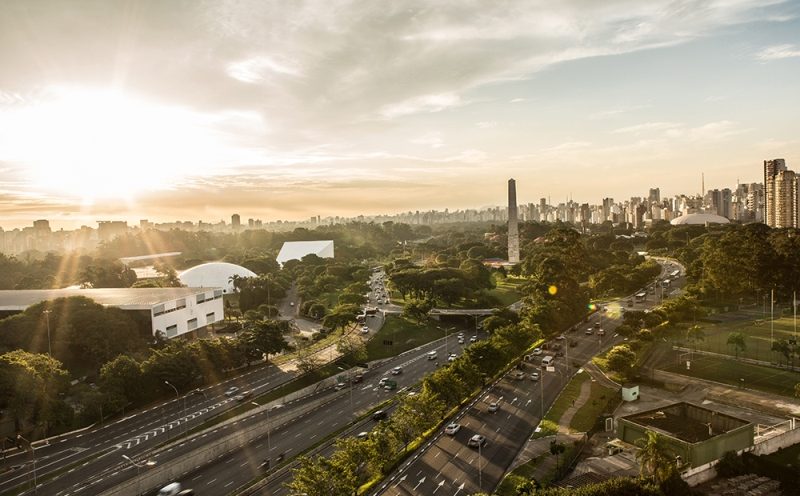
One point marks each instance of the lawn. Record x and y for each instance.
(587, 415)
(731, 372)
(507, 290)
(567, 398)
(757, 338)
(404, 335)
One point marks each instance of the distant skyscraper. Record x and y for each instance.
(654, 196)
(513, 229)
(236, 222)
(781, 194)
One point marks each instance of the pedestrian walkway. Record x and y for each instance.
(583, 397)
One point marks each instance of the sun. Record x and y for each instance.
(99, 144)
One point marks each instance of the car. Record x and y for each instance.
(382, 382)
(461, 334)
(171, 489)
(452, 429)
(493, 407)
(535, 376)
(432, 355)
(358, 378)
(536, 351)
(559, 353)
(339, 386)
(291, 303)
(476, 441)
(379, 415)
(362, 435)
(601, 332)
(589, 331)
(460, 340)
(561, 337)
(452, 357)
(364, 330)
(597, 325)
(231, 391)
(518, 375)
(243, 396)
(473, 339)
(397, 370)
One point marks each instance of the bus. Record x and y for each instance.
(641, 296)
(665, 283)
(675, 274)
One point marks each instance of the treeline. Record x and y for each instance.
(356, 461)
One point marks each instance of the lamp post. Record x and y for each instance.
(148, 463)
(350, 386)
(33, 454)
(47, 318)
(178, 396)
(269, 426)
(480, 467)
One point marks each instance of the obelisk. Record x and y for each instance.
(513, 230)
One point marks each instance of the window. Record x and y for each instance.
(210, 318)
(180, 304)
(217, 293)
(201, 298)
(191, 324)
(158, 310)
(172, 331)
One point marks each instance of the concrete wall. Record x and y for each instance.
(162, 474)
(180, 316)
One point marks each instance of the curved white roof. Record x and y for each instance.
(214, 275)
(295, 250)
(699, 219)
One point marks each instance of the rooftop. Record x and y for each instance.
(125, 298)
(687, 422)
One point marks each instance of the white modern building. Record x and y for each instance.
(214, 275)
(295, 250)
(701, 219)
(172, 311)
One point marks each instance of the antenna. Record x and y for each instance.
(702, 184)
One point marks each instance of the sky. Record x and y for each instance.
(194, 110)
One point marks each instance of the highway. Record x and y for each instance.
(237, 469)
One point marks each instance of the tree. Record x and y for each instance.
(29, 387)
(321, 476)
(556, 449)
(621, 359)
(695, 334)
(417, 309)
(265, 336)
(123, 376)
(797, 390)
(737, 340)
(654, 456)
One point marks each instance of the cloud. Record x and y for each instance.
(424, 103)
(486, 124)
(715, 131)
(776, 52)
(647, 127)
(434, 140)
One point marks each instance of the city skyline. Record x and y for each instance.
(287, 111)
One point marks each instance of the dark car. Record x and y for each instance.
(358, 378)
(379, 415)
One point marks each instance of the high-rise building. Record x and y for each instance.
(236, 222)
(513, 229)
(781, 194)
(654, 196)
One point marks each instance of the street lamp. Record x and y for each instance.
(269, 426)
(148, 463)
(480, 467)
(178, 396)
(350, 386)
(33, 454)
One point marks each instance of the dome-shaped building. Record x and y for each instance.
(214, 275)
(699, 219)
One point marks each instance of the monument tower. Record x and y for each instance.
(513, 230)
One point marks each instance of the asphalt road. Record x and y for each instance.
(237, 469)
(131, 436)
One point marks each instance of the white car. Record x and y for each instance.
(397, 370)
(535, 376)
(231, 391)
(460, 340)
(536, 351)
(473, 339)
(364, 330)
(493, 407)
(452, 357)
(451, 429)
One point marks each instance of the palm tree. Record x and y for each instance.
(654, 456)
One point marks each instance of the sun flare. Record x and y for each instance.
(98, 144)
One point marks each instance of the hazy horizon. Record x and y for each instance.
(286, 110)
